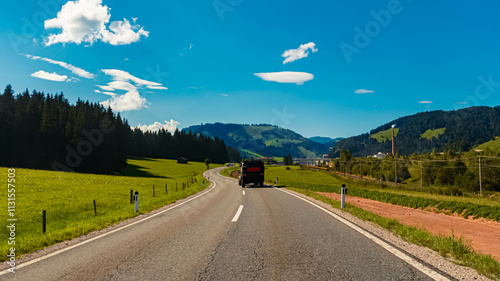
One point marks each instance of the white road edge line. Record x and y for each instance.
(427, 271)
(238, 213)
(104, 234)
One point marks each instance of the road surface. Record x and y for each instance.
(230, 233)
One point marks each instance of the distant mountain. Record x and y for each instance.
(262, 140)
(458, 130)
(325, 140)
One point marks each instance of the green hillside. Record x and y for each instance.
(68, 199)
(455, 130)
(435, 133)
(262, 140)
(493, 145)
(383, 136)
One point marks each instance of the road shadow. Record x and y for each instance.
(139, 171)
(264, 186)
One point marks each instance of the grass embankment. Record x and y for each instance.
(68, 199)
(304, 181)
(227, 171)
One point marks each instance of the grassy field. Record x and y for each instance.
(493, 145)
(429, 134)
(68, 199)
(383, 136)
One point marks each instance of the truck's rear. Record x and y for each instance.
(252, 172)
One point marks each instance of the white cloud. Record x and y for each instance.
(297, 54)
(120, 75)
(76, 70)
(157, 88)
(224, 95)
(50, 76)
(86, 21)
(286, 77)
(105, 88)
(363, 91)
(461, 102)
(425, 101)
(125, 81)
(129, 101)
(169, 126)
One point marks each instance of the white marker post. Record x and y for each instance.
(136, 199)
(343, 191)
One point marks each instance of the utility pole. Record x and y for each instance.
(395, 172)
(393, 140)
(421, 178)
(361, 168)
(480, 180)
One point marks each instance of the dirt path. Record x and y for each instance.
(483, 235)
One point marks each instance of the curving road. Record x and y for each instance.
(230, 233)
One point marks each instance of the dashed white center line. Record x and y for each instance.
(235, 219)
(243, 192)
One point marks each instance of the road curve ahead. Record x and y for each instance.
(229, 233)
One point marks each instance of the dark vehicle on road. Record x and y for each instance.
(252, 172)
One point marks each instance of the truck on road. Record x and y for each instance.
(252, 172)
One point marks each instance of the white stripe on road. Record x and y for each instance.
(243, 192)
(238, 213)
(105, 234)
(427, 271)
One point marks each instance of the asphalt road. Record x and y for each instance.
(274, 236)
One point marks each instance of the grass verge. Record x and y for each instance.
(68, 199)
(458, 249)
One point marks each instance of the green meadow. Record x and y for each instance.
(434, 133)
(383, 136)
(68, 199)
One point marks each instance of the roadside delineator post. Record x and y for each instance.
(131, 196)
(44, 221)
(343, 192)
(136, 198)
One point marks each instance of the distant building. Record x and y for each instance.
(380, 155)
(182, 160)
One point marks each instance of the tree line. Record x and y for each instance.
(44, 131)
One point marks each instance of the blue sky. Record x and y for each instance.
(328, 68)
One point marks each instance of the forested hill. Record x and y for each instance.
(47, 132)
(458, 130)
(262, 140)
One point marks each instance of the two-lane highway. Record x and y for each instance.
(228, 233)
